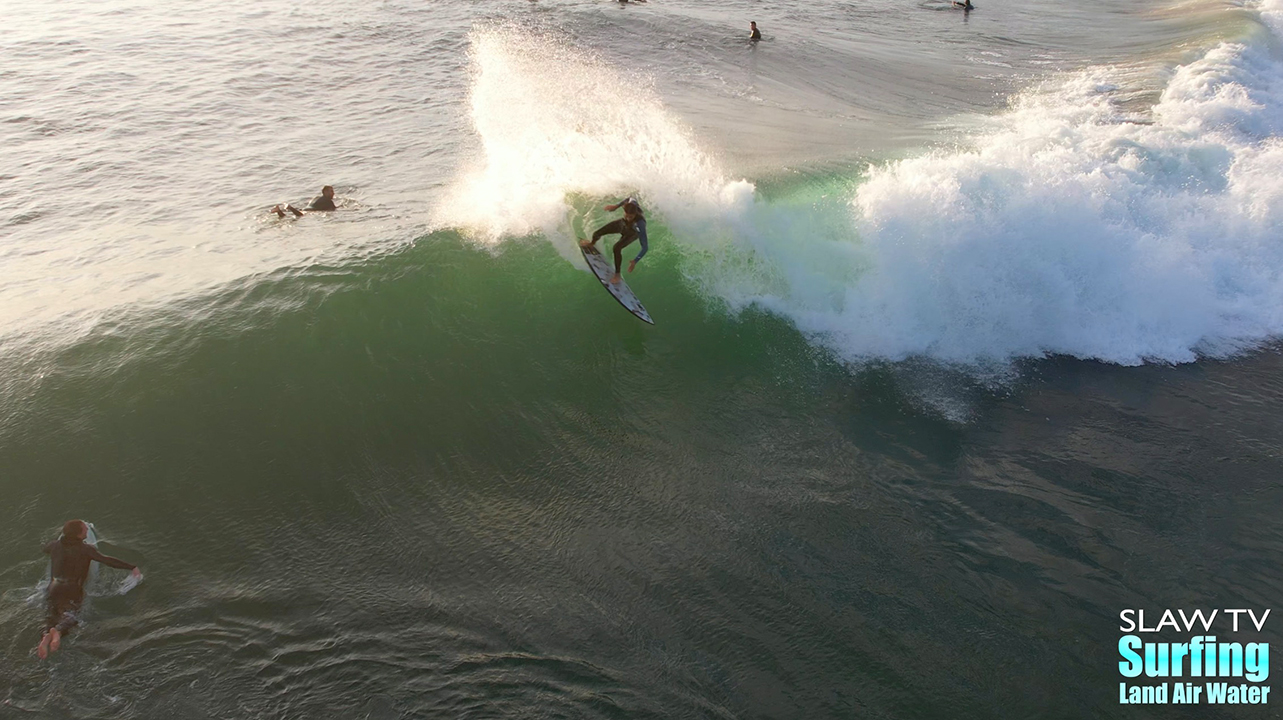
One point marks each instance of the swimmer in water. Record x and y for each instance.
(69, 558)
(323, 203)
(755, 34)
(965, 5)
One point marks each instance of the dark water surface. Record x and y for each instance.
(366, 492)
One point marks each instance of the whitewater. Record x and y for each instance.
(1077, 221)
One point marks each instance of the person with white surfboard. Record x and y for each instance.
(631, 227)
(69, 558)
(322, 203)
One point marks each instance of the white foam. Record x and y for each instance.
(1067, 226)
(552, 121)
(1070, 230)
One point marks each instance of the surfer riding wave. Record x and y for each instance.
(631, 227)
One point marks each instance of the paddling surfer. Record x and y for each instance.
(69, 558)
(322, 203)
(631, 227)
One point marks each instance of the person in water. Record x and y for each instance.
(965, 4)
(632, 226)
(69, 558)
(323, 203)
(755, 34)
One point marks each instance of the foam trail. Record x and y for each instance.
(129, 583)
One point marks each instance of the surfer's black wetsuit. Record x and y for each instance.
(628, 232)
(69, 560)
(322, 203)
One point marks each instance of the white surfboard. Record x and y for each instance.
(603, 269)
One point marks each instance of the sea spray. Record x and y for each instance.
(554, 120)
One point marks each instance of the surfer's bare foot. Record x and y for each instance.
(279, 212)
(55, 640)
(614, 279)
(42, 650)
(585, 244)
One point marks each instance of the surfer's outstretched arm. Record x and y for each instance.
(641, 237)
(110, 561)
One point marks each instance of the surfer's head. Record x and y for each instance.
(631, 208)
(328, 191)
(75, 530)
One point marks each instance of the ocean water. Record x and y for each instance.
(967, 339)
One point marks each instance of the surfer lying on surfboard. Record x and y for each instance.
(632, 226)
(322, 203)
(69, 558)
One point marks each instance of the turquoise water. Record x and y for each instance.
(966, 340)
